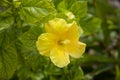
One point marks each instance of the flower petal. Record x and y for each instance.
(74, 31)
(59, 57)
(56, 25)
(45, 43)
(70, 15)
(76, 49)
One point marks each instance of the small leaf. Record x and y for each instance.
(90, 25)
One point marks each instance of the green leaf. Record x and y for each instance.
(92, 59)
(5, 22)
(56, 2)
(61, 6)
(33, 11)
(90, 24)
(8, 53)
(24, 73)
(5, 17)
(78, 8)
(65, 4)
(30, 37)
(79, 75)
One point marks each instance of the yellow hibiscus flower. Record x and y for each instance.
(60, 40)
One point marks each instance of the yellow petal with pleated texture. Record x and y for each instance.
(59, 57)
(73, 33)
(76, 49)
(45, 43)
(56, 26)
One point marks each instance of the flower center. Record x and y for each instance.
(63, 42)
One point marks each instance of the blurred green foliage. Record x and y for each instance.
(22, 21)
